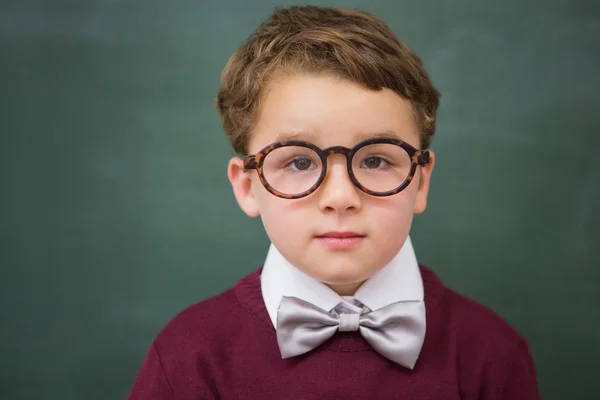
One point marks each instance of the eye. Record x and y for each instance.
(373, 162)
(303, 163)
(300, 163)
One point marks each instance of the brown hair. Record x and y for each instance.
(350, 44)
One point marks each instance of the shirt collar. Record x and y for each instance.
(399, 280)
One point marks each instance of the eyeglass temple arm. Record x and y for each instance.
(422, 157)
(250, 162)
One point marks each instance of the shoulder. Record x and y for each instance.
(200, 320)
(492, 358)
(182, 360)
(473, 323)
(207, 323)
(476, 321)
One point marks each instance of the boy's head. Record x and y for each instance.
(329, 77)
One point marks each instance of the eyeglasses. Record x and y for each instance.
(292, 169)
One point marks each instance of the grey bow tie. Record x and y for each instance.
(396, 331)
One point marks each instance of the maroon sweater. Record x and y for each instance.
(225, 348)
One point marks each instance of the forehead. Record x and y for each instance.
(329, 111)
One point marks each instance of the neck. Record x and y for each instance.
(347, 289)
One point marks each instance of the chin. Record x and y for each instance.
(342, 275)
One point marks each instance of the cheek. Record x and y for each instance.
(282, 219)
(391, 220)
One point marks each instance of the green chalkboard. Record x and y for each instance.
(115, 209)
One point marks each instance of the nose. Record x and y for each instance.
(337, 192)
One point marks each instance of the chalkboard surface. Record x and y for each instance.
(115, 210)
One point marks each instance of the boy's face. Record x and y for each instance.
(332, 112)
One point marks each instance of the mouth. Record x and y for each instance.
(343, 240)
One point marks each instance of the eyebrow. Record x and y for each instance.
(370, 135)
(307, 136)
(311, 137)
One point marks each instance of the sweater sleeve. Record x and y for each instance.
(151, 383)
(520, 382)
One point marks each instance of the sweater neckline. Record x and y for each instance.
(249, 294)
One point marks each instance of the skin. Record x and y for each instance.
(328, 111)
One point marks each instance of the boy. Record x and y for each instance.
(334, 115)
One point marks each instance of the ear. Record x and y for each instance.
(424, 180)
(241, 183)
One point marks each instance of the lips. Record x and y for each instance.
(340, 235)
(340, 240)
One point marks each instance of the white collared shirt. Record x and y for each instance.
(399, 280)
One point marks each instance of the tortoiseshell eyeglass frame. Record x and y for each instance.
(418, 158)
